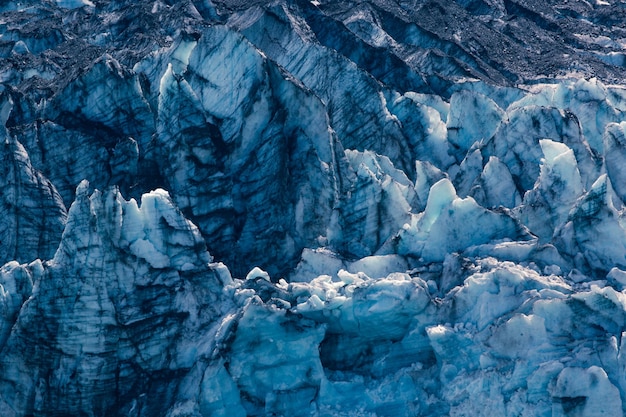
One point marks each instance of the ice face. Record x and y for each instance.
(379, 201)
(595, 215)
(495, 187)
(33, 213)
(311, 209)
(547, 206)
(217, 165)
(127, 284)
(473, 118)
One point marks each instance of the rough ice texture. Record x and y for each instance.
(310, 208)
(106, 312)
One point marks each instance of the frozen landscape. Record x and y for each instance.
(312, 208)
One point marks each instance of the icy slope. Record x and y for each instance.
(312, 208)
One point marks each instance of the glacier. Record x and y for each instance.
(312, 208)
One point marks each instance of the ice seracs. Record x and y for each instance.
(127, 285)
(586, 391)
(218, 167)
(377, 203)
(473, 118)
(428, 234)
(311, 209)
(495, 186)
(547, 206)
(615, 145)
(595, 215)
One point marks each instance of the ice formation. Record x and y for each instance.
(295, 208)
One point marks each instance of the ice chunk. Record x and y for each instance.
(484, 297)
(521, 336)
(615, 156)
(451, 224)
(432, 101)
(378, 203)
(258, 273)
(16, 285)
(145, 249)
(423, 121)
(589, 103)
(587, 392)
(473, 118)
(316, 262)
(617, 277)
(608, 308)
(74, 4)
(516, 143)
(379, 266)
(496, 186)
(595, 215)
(219, 395)
(467, 224)
(275, 361)
(588, 100)
(426, 175)
(469, 171)
(32, 214)
(222, 273)
(546, 207)
(441, 195)
(455, 350)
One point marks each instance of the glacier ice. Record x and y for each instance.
(216, 208)
(472, 118)
(120, 306)
(546, 207)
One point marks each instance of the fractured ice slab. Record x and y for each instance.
(495, 186)
(450, 224)
(588, 100)
(423, 122)
(615, 156)
(516, 142)
(586, 392)
(594, 230)
(473, 118)
(224, 156)
(379, 201)
(546, 207)
(275, 360)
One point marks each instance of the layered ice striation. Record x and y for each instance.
(294, 208)
(123, 302)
